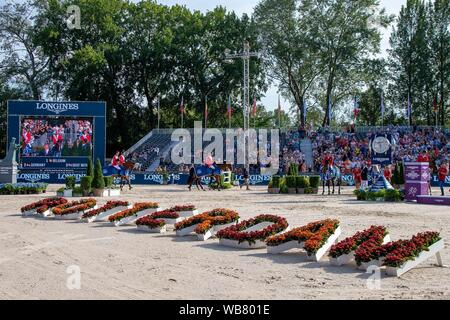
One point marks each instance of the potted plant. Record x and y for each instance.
(291, 183)
(276, 184)
(90, 168)
(314, 182)
(165, 176)
(60, 192)
(302, 182)
(86, 183)
(77, 192)
(401, 176)
(293, 169)
(98, 183)
(70, 185)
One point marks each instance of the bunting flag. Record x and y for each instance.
(254, 107)
(229, 110)
(382, 105)
(182, 108)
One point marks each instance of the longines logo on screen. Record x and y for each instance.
(56, 107)
(34, 177)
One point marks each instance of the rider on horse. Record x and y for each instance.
(117, 162)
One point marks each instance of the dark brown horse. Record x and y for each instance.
(128, 168)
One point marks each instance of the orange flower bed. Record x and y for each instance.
(314, 235)
(209, 219)
(74, 207)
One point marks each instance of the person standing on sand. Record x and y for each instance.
(246, 179)
(442, 175)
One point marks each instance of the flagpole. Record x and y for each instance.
(229, 112)
(206, 112)
(159, 116)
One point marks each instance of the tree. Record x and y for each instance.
(287, 33)
(98, 182)
(22, 60)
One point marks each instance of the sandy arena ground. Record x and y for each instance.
(120, 263)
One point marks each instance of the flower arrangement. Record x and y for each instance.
(108, 206)
(44, 204)
(397, 252)
(181, 208)
(314, 235)
(156, 220)
(373, 234)
(74, 207)
(409, 250)
(238, 233)
(207, 220)
(130, 212)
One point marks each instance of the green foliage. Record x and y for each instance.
(401, 178)
(90, 168)
(293, 169)
(291, 181)
(276, 181)
(284, 189)
(77, 191)
(86, 183)
(302, 182)
(309, 190)
(392, 195)
(108, 181)
(70, 182)
(314, 181)
(98, 182)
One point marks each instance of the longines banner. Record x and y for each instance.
(179, 179)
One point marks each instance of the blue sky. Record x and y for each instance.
(246, 6)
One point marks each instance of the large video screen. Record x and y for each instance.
(56, 137)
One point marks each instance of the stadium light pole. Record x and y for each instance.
(245, 55)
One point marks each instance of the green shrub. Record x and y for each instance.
(276, 182)
(70, 182)
(314, 181)
(284, 189)
(309, 190)
(392, 195)
(86, 183)
(108, 182)
(302, 182)
(77, 190)
(401, 178)
(361, 195)
(90, 168)
(293, 169)
(291, 181)
(61, 190)
(98, 182)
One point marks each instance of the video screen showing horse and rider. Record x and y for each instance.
(56, 137)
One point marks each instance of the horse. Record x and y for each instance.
(333, 174)
(213, 172)
(124, 174)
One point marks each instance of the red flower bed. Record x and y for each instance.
(44, 204)
(239, 234)
(133, 211)
(108, 206)
(151, 223)
(74, 207)
(314, 235)
(209, 219)
(374, 233)
(156, 220)
(398, 252)
(187, 207)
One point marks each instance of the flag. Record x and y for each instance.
(182, 108)
(409, 110)
(382, 105)
(229, 110)
(330, 110)
(254, 107)
(206, 110)
(305, 110)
